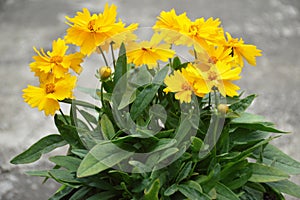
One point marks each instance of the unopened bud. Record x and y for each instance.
(223, 108)
(104, 72)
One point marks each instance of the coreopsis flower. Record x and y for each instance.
(170, 25)
(220, 76)
(202, 33)
(149, 52)
(179, 84)
(241, 50)
(90, 31)
(213, 54)
(56, 61)
(46, 96)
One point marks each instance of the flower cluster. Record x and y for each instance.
(218, 59)
(56, 81)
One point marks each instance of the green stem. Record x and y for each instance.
(63, 115)
(112, 54)
(103, 55)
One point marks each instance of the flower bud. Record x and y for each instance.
(104, 72)
(223, 108)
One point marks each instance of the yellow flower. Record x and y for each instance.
(218, 76)
(50, 91)
(170, 25)
(90, 31)
(213, 54)
(149, 52)
(56, 61)
(241, 50)
(202, 32)
(180, 85)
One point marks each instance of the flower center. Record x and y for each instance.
(91, 25)
(50, 88)
(56, 59)
(185, 86)
(212, 76)
(212, 60)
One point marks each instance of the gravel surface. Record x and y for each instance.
(272, 25)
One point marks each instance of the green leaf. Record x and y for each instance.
(224, 193)
(40, 173)
(184, 172)
(176, 63)
(242, 104)
(263, 173)
(107, 127)
(254, 122)
(121, 65)
(171, 190)
(103, 196)
(89, 117)
(152, 192)
(81, 103)
(287, 187)
(101, 157)
(68, 132)
(277, 159)
(191, 193)
(68, 162)
(143, 99)
(43, 146)
(61, 192)
(246, 136)
(64, 176)
(80, 194)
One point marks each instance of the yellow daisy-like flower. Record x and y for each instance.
(56, 61)
(170, 25)
(149, 52)
(218, 76)
(213, 54)
(47, 95)
(179, 84)
(90, 31)
(241, 50)
(202, 32)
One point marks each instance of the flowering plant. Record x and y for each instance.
(161, 126)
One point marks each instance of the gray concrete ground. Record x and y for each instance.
(272, 25)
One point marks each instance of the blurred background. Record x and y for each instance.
(271, 25)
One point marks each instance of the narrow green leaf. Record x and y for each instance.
(184, 172)
(40, 173)
(68, 162)
(80, 194)
(243, 104)
(224, 193)
(287, 187)
(68, 132)
(171, 190)
(108, 195)
(121, 65)
(61, 192)
(191, 193)
(88, 116)
(43, 146)
(254, 122)
(142, 100)
(263, 173)
(152, 193)
(101, 157)
(81, 103)
(107, 127)
(176, 63)
(64, 176)
(276, 158)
